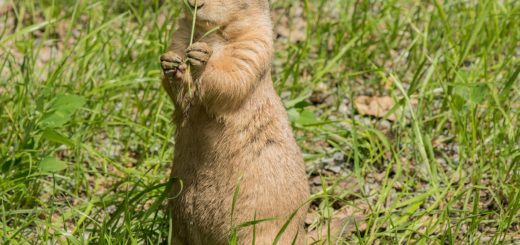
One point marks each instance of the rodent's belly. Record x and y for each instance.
(202, 212)
(212, 163)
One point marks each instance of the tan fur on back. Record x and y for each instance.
(236, 128)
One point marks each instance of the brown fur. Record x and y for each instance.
(235, 130)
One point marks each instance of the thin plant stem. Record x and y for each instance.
(194, 19)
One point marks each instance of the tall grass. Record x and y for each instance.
(86, 133)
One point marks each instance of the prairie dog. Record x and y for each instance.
(231, 128)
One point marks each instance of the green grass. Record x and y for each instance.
(86, 133)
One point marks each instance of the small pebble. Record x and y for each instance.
(335, 169)
(327, 161)
(344, 109)
(339, 157)
(384, 125)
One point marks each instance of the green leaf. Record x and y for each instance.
(293, 114)
(52, 165)
(467, 96)
(68, 101)
(478, 94)
(307, 117)
(53, 136)
(303, 96)
(460, 94)
(61, 110)
(302, 116)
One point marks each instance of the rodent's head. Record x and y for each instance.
(222, 12)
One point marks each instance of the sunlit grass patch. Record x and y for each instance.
(86, 132)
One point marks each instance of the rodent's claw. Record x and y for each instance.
(196, 62)
(198, 53)
(171, 64)
(166, 65)
(199, 47)
(172, 57)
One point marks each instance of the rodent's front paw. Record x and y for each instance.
(172, 65)
(199, 53)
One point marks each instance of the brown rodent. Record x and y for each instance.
(231, 128)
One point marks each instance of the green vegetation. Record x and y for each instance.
(86, 133)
